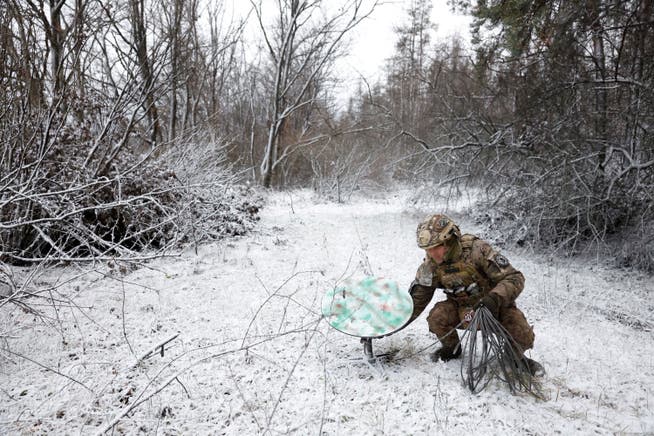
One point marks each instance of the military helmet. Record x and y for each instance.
(436, 230)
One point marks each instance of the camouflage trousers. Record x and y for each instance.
(446, 316)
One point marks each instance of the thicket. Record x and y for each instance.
(578, 79)
(550, 114)
(60, 203)
(57, 205)
(99, 158)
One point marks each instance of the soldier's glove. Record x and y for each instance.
(491, 302)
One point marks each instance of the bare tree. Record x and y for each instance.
(302, 43)
(137, 9)
(77, 180)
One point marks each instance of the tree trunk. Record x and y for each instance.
(599, 59)
(174, 64)
(139, 34)
(272, 148)
(77, 53)
(57, 37)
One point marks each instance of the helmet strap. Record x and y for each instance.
(454, 250)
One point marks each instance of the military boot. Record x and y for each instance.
(446, 353)
(535, 368)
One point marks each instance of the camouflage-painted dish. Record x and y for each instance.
(370, 308)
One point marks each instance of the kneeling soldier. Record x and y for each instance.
(472, 275)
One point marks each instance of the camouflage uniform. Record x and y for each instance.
(470, 271)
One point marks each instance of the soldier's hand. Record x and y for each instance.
(490, 302)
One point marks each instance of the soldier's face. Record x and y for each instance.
(437, 253)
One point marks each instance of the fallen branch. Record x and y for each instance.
(142, 398)
(159, 346)
(47, 368)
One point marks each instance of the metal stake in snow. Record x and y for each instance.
(159, 347)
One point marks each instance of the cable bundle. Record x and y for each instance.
(495, 355)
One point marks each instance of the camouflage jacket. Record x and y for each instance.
(478, 271)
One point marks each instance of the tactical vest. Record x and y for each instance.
(462, 273)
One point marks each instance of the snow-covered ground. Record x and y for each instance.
(253, 355)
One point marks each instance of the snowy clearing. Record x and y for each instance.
(253, 355)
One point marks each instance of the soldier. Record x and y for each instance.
(472, 275)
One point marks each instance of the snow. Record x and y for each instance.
(253, 355)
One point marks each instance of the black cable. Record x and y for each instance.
(494, 355)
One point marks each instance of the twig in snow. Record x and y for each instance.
(247, 331)
(159, 346)
(367, 268)
(142, 398)
(245, 401)
(183, 387)
(290, 374)
(123, 321)
(47, 368)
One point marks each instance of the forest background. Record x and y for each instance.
(129, 127)
(133, 130)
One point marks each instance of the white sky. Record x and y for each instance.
(374, 40)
